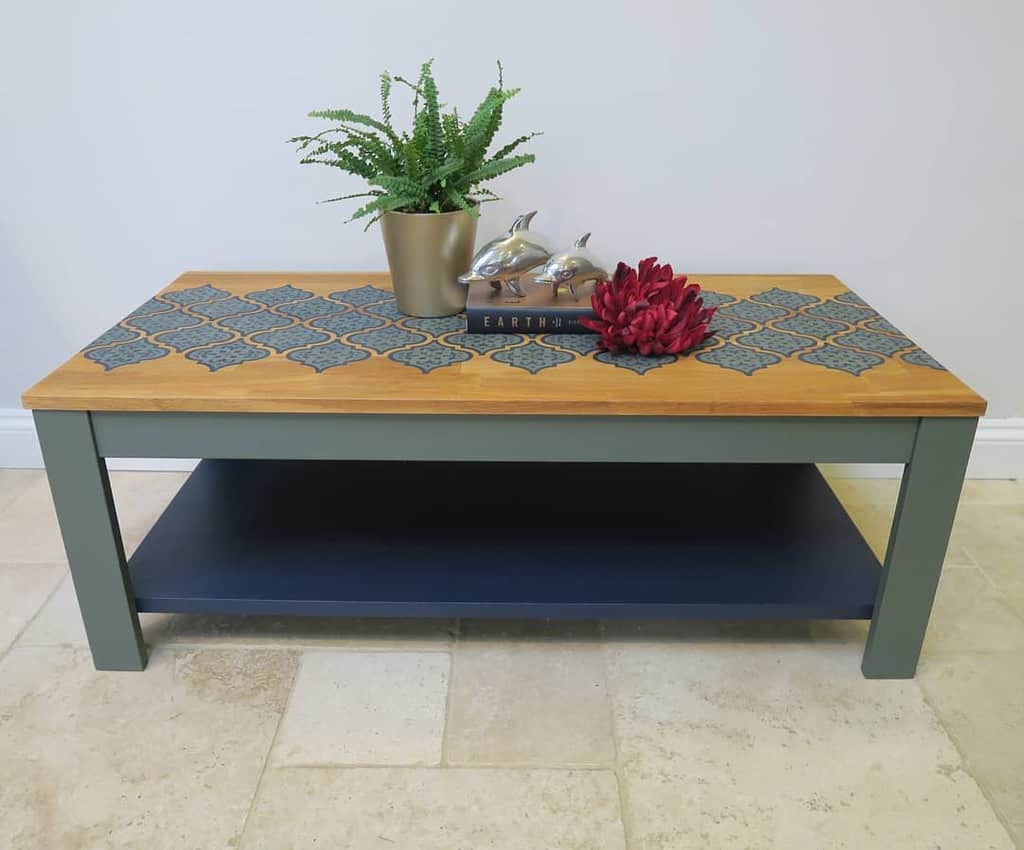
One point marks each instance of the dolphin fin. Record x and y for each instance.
(582, 241)
(522, 222)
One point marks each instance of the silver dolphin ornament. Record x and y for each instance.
(504, 260)
(572, 268)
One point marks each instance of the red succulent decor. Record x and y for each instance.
(649, 312)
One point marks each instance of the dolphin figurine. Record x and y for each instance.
(572, 268)
(504, 260)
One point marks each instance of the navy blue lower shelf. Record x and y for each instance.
(506, 540)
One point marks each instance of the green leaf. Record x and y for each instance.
(384, 203)
(495, 167)
(440, 174)
(459, 201)
(347, 197)
(385, 97)
(349, 117)
(432, 115)
(511, 146)
(396, 183)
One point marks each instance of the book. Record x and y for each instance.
(492, 312)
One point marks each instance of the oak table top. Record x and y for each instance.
(277, 342)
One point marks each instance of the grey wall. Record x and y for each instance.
(880, 141)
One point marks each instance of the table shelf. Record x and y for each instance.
(506, 540)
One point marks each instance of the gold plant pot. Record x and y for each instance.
(426, 253)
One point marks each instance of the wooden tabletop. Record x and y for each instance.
(786, 345)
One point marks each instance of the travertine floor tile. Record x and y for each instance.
(686, 631)
(365, 708)
(23, 590)
(785, 747)
(13, 482)
(435, 809)
(865, 491)
(140, 498)
(528, 703)
(994, 535)
(169, 758)
(313, 632)
(28, 526)
(970, 614)
(884, 491)
(59, 623)
(980, 699)
(874, 524)
(870, 502)
(991, 491)
(533, 630)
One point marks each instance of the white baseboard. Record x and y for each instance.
(19, 448)
(998, 451)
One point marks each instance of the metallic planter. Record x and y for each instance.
(426, 253)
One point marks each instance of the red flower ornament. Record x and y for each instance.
(649, 312)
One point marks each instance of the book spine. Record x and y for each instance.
(525, 322)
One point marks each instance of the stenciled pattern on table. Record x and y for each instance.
(218, 329)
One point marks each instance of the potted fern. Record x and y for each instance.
(425, 185)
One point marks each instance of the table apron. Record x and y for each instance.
(427, 437)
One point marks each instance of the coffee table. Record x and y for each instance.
(587, 485)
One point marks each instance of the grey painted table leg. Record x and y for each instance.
(917, 546)
(92, 539)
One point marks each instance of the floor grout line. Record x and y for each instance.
(38, 611)
(270, 749)
(620, 780)
(965, 764)
(291, 647)
(465, 766)
(447, 708)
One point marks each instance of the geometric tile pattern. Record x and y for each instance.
(431, 356)
(843, 359)
(323, 357)
(126, 353)
(286, 339)
(533, 357)
(739, 358)
(192, 337)
(635, 362)
(217, 329)
(216, 357)
(776, 341)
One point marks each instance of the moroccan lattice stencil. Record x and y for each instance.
(217, 329)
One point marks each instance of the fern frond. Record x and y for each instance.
(385, 203)
(458, 199)
(349, 117)
(440, 174)
(397, 184)
(432, 115)
(347, 161)
(385, 97)
(374, 194)
(501, 153)
(494, 168)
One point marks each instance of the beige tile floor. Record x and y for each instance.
(251, 732)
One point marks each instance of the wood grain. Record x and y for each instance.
(483, 386)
